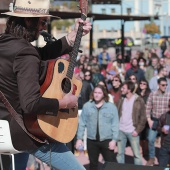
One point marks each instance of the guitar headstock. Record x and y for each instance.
(84, 7)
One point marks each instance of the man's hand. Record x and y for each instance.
(72, 35)
(69, 101)
(78, 143)
(150, 122)
(134, 133)
(112, 145)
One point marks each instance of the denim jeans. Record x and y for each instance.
(164, 153)
(134, 142)
(151, 142)
(58, 156)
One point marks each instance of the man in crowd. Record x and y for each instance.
(139, 73)
(152, 70)
(153, 83)
(157, 104)
(131, 109)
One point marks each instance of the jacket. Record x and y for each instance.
(22, 72)
(164, 120)
(138, 113)
(139, 73)
(107, 118)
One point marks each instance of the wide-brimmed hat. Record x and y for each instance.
(29, 8)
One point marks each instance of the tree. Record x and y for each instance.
(152, 28)
(62, 24)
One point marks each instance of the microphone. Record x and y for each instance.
(47, 37)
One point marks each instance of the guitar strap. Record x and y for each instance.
(18, 119)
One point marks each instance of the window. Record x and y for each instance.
(113, 11)
(103, 11)
(129, 11)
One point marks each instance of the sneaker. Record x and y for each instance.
(150, 162)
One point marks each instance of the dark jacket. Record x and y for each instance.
(85, 93)
(139, 73)
(138, 113)
(164, 120)
(21, 74)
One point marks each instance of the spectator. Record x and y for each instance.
(115, 90)
(142, 63)
(152, 70)
(164, 45)
(153, 83)
(104, 58)
(86, 90)
(101, 119)
(105, 86)
(131, 111)
(157, 104)
(144, 91)
(118, 66)
(133, 79)
(163, 129)
(139, 73)
(96, 76)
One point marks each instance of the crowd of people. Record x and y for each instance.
(135, 111)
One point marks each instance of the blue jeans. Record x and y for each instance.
(151, 142)
(164, 154)
(134, 142)
(58, 156)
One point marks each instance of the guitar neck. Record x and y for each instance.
(74, 53)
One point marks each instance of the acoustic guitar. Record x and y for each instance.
(59, 81)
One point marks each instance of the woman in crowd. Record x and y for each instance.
(115, 91)
(144, 91)
(133, 78)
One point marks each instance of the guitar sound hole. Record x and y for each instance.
(66, 85)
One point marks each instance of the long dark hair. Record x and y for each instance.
(17, 27)
(147, 91)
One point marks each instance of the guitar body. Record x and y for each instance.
(62, 127)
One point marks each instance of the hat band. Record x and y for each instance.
(38, 11)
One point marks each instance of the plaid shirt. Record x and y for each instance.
(157, 104)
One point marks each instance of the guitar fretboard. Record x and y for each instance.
(74, 53)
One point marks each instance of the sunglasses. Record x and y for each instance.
(132, 78)
(44, 23)
(87, 75)
(163, 85)
(115, 80)
(143, 84)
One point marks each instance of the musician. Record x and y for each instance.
(22, 72)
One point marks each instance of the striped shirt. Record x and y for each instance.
(157, 104)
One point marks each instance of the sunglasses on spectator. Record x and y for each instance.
(115, 80)
(143, 84)
(87, 75)
(132, 78)
(163, 85)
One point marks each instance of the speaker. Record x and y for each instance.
(116, 166)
